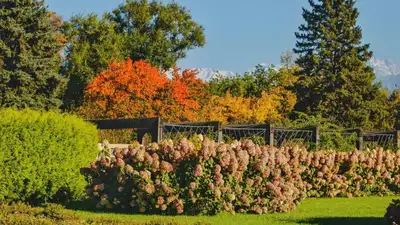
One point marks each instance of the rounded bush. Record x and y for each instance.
(204, 177)
(40, 155)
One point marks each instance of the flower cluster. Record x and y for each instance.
(182, 177)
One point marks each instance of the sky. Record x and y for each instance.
(243, 33)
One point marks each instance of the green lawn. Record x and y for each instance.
(338, 211)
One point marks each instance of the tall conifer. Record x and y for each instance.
(29, 56)
(335, 79)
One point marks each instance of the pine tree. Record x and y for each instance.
(335, 80)
(29, 56)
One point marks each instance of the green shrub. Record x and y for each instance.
(331, 136)
(40, 155)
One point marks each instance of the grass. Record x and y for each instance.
(338, 211)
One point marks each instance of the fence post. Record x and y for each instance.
(160, 129)
(360, 139)
(397, 132)
(315, 135)
(156, 130)
(269, 134)
(219, 130)
(140, 134)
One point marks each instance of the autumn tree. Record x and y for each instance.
(130, 89)
(263, 95)
(230, 109)
(184, 95)
(138, 29)
(29, 55)
(335, 80)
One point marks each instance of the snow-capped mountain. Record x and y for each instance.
(207, 74)
(385, 67)
(387, 72)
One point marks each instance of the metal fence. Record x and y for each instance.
(259, 133)
(284, 136)
(180, 130)
(256, 132)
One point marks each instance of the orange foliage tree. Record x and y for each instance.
(136, 89)
(183, 96)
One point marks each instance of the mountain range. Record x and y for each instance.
(387, 72)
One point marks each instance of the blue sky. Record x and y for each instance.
(241, 34)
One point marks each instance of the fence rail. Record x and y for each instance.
(265, 133)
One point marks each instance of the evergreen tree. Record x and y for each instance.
(29, 56)
(335, 80)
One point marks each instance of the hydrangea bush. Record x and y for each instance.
(208, 177)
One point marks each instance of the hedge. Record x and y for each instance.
(205, 177)
(40, 155)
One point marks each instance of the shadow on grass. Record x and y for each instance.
(344, 221)
(89, 207)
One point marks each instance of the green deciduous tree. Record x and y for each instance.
(29, 55)
(254, 83)
(92, 44)
(156, 32)
(335, 80)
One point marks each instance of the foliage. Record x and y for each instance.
(123, 90)
(92, 44)
(158, 33)
(138, 29)
(253, 84)
(335, 80)
(16, 214)
(175, 178)
(40, 153)
(270, 107)
(256, 97)
(395, 101)
(119, 135)
(332, 136)
(29, 56)
(183, 97)
(393, 212)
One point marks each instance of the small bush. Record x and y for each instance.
(40, 155)
(393, 212)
